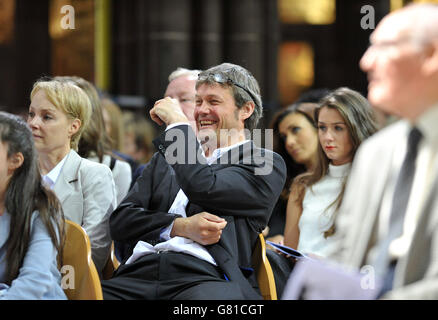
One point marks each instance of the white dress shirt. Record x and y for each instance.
(50, 178)
(179, 244)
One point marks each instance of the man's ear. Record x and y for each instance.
(247, 110)
(74, 127)
(15, 161)
(430, 59)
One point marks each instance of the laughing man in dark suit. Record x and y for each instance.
(193, 217)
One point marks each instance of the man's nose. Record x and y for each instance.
(367, 60)
(203, 108)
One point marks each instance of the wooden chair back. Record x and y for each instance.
(264, 274)
(111, 265)
(77, 253)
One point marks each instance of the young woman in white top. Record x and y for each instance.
(58, 113)
(344, 119)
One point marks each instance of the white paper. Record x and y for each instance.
(314, 279)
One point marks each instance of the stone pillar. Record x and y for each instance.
(165, 41)
(26, 58)
(208, 45)
(243, 31)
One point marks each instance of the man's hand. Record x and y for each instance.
(167, 111)
(204, 228)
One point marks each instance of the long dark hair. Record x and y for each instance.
(361, 123)
(25, 194)
(293, 168)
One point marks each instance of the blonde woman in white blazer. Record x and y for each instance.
(58, 114)
(95, 143)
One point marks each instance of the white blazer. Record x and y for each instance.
(87, 194)
(122, 175)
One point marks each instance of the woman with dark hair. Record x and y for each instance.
(31, 220)
(296, 140)
(344, 119)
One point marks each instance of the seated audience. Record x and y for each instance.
(31, 221)
(58, 113)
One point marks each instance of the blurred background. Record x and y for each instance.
(127, 48)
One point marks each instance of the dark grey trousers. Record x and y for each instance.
(170, 276)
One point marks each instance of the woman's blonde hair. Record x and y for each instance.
(70, 99)
(94, 140)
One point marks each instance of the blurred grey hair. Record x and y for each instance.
(183, 72)
(423, 17)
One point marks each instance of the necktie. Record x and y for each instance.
(399, 203)
(404, 182)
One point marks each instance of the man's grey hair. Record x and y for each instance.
(242, 77)
(184, 72)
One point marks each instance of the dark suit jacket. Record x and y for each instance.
(236, 188)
